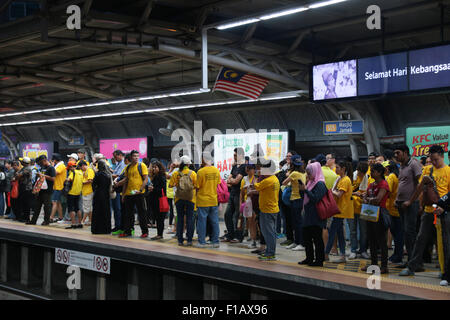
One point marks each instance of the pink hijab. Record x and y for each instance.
(315, 171)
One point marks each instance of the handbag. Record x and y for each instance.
(163, 203)
(286, 196)
(14, 189)
(248, 208)
(370, 212)
(112, 192)
(38, 185)
(430, 193)
(327, 207)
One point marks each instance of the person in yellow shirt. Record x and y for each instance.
(331, 161)
(269, 189)
(185, 181)
(296, 177)
(136, 175)
(342, 191)
(396, 229)
(87, 192)
(440, 173)
(58, 186)
(208, 178)
(81, 157)
(73, 196)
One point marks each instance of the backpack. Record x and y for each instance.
(3, 182)
(185, 187)
(222, 192)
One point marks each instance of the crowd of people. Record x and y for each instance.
(265, 201)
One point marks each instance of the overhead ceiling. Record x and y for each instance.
(119, 52)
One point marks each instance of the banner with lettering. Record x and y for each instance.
(274, 145)
(420, 139)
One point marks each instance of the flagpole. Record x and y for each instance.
(204, 59)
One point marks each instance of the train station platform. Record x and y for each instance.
(234, 264)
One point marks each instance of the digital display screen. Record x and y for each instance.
(108, 146)
(383, 74)
(334, 80)
(33, 150)
(429, 68)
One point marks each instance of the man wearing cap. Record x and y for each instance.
(72, 157)
(58, 185)
(44, 197)
(25, 188)
(82, 157)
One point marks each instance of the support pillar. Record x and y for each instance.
(101, 287)
(24, 266)
(4, 262)
(169, 287)
(47, 276)
(133, 285)
(210, 290)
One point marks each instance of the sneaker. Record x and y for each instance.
(291, 246)
(71, 226)
(364, 255)
(45, 223)
(267, 258)
(79, 226)
(406, 272)
(225, 240)
(234, 240)
(444, 283)
(252, 246)
(145, 235)
(201, 246)
(180, 244)
(156, 238)
(298, 248)
(30, 222)
(339, 259)
(132, 232)
(117, 232)
(286, 243)
(216, 245)
(352, 256)
(280, 235)
(189, 244)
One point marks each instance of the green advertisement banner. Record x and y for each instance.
(420, 139)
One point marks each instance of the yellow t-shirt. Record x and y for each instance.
(134, 178)
(371, 180)
(442, 178)
(61, 173)
(344, 203)
(295, 176)
(243, 184)
(208, 178)
(88, 175)
(77, 185)
(176, 178)
(170, 193)
(330, 177)
(269, 190)
(392, 181)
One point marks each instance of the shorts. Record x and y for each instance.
(87, 202)
(73, 203)
(56, 195)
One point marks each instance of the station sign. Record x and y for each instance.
(343, 127)
(420, 139)
(76, 141)
(83, 260)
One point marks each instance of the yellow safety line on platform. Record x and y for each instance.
(338, 270)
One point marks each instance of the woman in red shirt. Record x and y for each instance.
(377, 195)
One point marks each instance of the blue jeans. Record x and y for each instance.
(297, 220)
(2, 204)
(337, 227)
(211, 213)
(355, 225)
(281, 222)
(116, 207)
(268, 223)
(185, 208)
(397, 234)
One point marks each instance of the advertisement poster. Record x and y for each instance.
(420, 139)
(107, 147)
(33, 150)
(334, 80)
(274, 145)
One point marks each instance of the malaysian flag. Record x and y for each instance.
(240, 83)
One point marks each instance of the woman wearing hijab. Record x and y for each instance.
(101, 214)
(315, 190)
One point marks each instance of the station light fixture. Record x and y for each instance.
(269, 97)
(277, 14)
